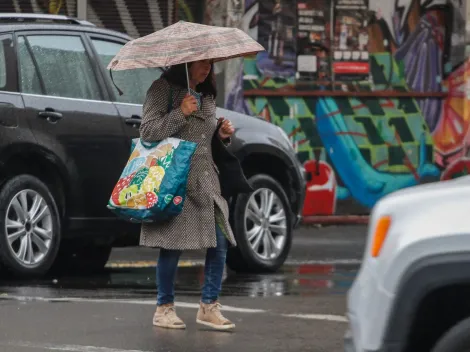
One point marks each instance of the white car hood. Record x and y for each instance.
(443, 190)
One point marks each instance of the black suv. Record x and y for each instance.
(65, 137)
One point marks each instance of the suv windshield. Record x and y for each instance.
(134, 83)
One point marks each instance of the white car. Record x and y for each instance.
(412, 292)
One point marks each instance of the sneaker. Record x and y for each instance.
(210, 315)
(165, 317)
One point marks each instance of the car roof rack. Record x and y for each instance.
(33, 17)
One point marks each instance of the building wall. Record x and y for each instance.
(358, 148)
(361, 148)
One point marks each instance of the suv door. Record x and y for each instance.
(133, 83)
(70, 116)
(13, 129)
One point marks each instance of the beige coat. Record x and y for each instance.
(194, 227)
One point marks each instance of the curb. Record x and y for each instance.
(335, 219)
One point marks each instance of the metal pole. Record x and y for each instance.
(82, 6)
(332, 37)
(187, 76)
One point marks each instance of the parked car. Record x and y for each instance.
(412, 290)
(65, 137)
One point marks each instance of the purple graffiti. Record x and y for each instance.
(421, 55)
(235, 100)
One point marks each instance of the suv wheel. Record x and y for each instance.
(263, 227)
(29, 226)
(456, 339)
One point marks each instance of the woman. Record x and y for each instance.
(169, 111)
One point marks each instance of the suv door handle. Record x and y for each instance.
(50, 115)
(134, 121)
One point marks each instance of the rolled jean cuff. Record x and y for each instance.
(162, 302)
(209, 300)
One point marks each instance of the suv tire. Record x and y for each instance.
(262, 223)
(456, 339)
(30, 227)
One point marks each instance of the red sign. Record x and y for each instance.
(351, 67)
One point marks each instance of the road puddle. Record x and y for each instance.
(299, 280)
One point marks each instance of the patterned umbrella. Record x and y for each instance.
(184, 42)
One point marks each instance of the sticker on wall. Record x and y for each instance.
(350, 52)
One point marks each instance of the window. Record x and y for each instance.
(29, 79)
(133, 83)
(63, 66)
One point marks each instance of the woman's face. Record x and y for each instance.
(199, 70)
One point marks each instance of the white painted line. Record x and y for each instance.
(68, 348)
(325, 262)
(224, 308)
(324, 317)
(151, 302)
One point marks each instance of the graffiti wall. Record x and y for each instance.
(65, 7)
(135, 17)
(358, 143)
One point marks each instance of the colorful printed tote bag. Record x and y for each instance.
(152, 186)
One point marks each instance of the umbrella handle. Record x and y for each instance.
(187, 75)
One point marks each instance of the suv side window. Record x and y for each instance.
(7, 70)
(133, 83)
(60, 63)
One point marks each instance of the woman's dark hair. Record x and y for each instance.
(176, 75)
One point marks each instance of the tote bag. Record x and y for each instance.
(152, 186)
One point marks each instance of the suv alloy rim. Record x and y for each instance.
(28, 226)
(265, 224)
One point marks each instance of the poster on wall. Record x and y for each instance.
(350, 48)
(313, 39)
(276, 27)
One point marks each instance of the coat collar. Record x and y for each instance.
(204, 112)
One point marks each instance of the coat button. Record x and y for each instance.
(203, 136)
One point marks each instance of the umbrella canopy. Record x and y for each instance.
(184, 42)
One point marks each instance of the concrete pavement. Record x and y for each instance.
(110, 327)
(300, 308)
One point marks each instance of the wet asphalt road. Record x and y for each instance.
(300, 308)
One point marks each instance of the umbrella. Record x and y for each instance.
(184, 42)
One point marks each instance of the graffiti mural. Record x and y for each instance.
(65, 7)
(361, 148)
(135, 17)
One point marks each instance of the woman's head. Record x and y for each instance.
(201, 73)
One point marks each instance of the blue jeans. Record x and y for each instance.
(213, 272)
